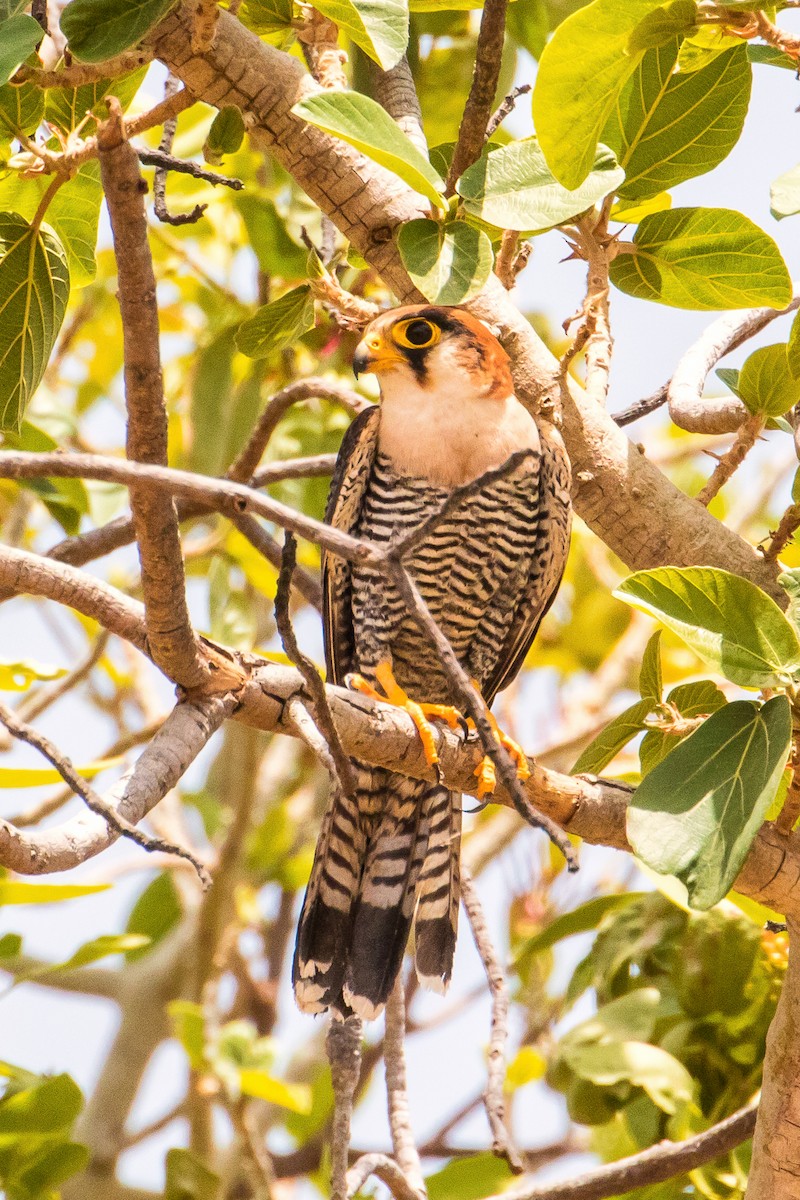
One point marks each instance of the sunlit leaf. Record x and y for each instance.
(448, 263)
(68, 108)
(101, 947)
(188, 1024)
(379, 27)
(582, 919)
(662, 1077)
(18, 676)
(727, 620)
(793, 347)
(469, 1178)
(784, 194)
(651, 683)
(765, 384)
(48, 1107)
(14, 891)
(21, 108)
(156, 911)
(700, 698)
(27, 777)
(582, 70)
(608, 743)
(696, 814)
(294, 1096)
(704, 258)
(99, 29)
(225, 135)
(526, 1066)
(34, 289)
(666, 128)
(367, 126)
(631, 212)
(513, 188)
(278, 324)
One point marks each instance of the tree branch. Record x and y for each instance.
(478, 109)
(343, 1046)
(656, 1165)
(396, 91)
(494, 1096)
(169, 629)
(403, 1145)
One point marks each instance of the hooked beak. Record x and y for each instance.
(373, 355)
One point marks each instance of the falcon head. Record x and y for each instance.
(430, 346)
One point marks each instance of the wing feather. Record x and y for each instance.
(350, 478)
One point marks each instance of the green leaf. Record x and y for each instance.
(448, 263)
(793, 347)
(703, 258)
(729, 622)
(666, 128)
(68, 108)
(52, 1166)
(277, 253)
(582, 70)
(766, 385)
(696, 814)
(267, 16)
(188, 1024)
(651, 683)
(21, 108)
(73, 213)
(13, 891)
(99, 29)
(10, 945)
(633, 213)
(367, 126)
(294, 1096)
(526, 1066)
(784, 194)
(662, 1077)
(469, 1178)
(48, 1107)
(790, 582)
(65, 499)
(700, 698)
(225, 135)
(608, 743)
(379, 27)
(513, 188)
(102, 947)
(156, 911)
(278, 324)
(771, 56)
(34, 289)
(19, 37)
(188, 1179)
(582, 919)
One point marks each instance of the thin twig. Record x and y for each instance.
(308, 587)
(183, 166)
(343, 776)
(494, 1096)
(747, 435)
(403, 1145)
(26, 733)
(77, 74)
(506, 108)
(478, 109)
(787, 528)
(385, 1169)
(169, 627)
(171, 88)
(642, 408)
(655, 1165)
(343, 1046)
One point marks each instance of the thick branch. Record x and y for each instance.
(396, 92)
(169, 628)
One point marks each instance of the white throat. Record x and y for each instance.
(451, 435)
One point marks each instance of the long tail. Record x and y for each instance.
(395, 841)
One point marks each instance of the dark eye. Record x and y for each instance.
(416, 333)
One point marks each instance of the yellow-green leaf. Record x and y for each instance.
(99, 29)
(278, 324)
(379, 27)
(14, 891)
(448, 263)
(294, 1096)
(18, 676)
(28, 777)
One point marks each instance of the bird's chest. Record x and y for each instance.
(469, 563)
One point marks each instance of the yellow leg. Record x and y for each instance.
(419, 713)
(485, 770)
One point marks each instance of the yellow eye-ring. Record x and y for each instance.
(416, 333)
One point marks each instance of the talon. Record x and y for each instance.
(357, 683)
(444, 712)
(395, 695)
(486, 777)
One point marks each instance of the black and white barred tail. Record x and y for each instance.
(388, 852)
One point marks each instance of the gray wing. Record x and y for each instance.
(548, 559)
(350, 479)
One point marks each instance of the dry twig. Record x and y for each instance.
(403, 1145)
(171, 88)
(343, 1046)
(494, 1096)
(747, 435)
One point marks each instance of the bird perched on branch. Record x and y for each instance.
(449, 437)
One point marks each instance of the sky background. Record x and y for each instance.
(52, 1032)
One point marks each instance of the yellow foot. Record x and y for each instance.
(419, 713)
(485, 770)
